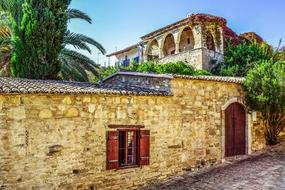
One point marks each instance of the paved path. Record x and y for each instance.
(262, 172)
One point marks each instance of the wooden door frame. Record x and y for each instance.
(247, 128)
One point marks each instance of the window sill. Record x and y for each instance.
(128, 167)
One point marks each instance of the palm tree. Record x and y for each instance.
(5, 45)
(75, 66)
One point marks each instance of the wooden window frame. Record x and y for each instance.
(141, 145)
(126, 127)
(136, 147)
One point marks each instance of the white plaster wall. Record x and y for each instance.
(121, 57)
(112, 61)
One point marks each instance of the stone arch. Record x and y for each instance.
(210, 42)
(186, 39)
(152, 51)
(168, 47)
(234, 100)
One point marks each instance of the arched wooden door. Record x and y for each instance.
(235, 130)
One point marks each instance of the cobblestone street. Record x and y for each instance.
(260, 172)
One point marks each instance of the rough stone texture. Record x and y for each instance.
(210, 58)
(197, 58)
(191, 57)
(237, 80)
(258, 142)
(67, 149)
(45, 114)
(264, 171)
(153, 82)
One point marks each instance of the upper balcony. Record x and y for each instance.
(196, 45)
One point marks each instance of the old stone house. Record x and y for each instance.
(132, 130)
(198, 40)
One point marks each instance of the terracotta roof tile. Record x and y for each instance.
(238, 80)
(29, 86)
(123, 50)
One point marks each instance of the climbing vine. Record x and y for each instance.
(210, 24)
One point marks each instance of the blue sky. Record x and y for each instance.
(120, 23)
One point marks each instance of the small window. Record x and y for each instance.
(188, 40)
(127, 147)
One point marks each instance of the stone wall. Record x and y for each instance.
(197, 58)
(258, 142)
(59, 141)
(191, 57)
(149, 81)
(210, 58)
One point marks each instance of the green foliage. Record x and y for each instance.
(5, 43)
(167, 68)
(76, 66)
(105, 72)
(38, 39)
(265, 92)
(77, 14)
(147, 67)
(132, 67)
(280, 52)
(239, 59)
(179, 68)
(202, 73)
(174, 68)
(73, 65)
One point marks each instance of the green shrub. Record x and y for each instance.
(178, 68)
(239, 59)
(265, 92)
(147, 67)
(174, 68)
(202, 73)
(105, 72)
(167, 68)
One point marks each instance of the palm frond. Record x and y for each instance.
(76, 56)
(75, 13)
(69, 72)
(5, 58)
(80, 38)
(5, 32)
(79, 65)
(6, 46)
(92, 42)
(84, 61)
(71, 38)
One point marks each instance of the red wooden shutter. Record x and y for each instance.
(112, 150)
(144, 147)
